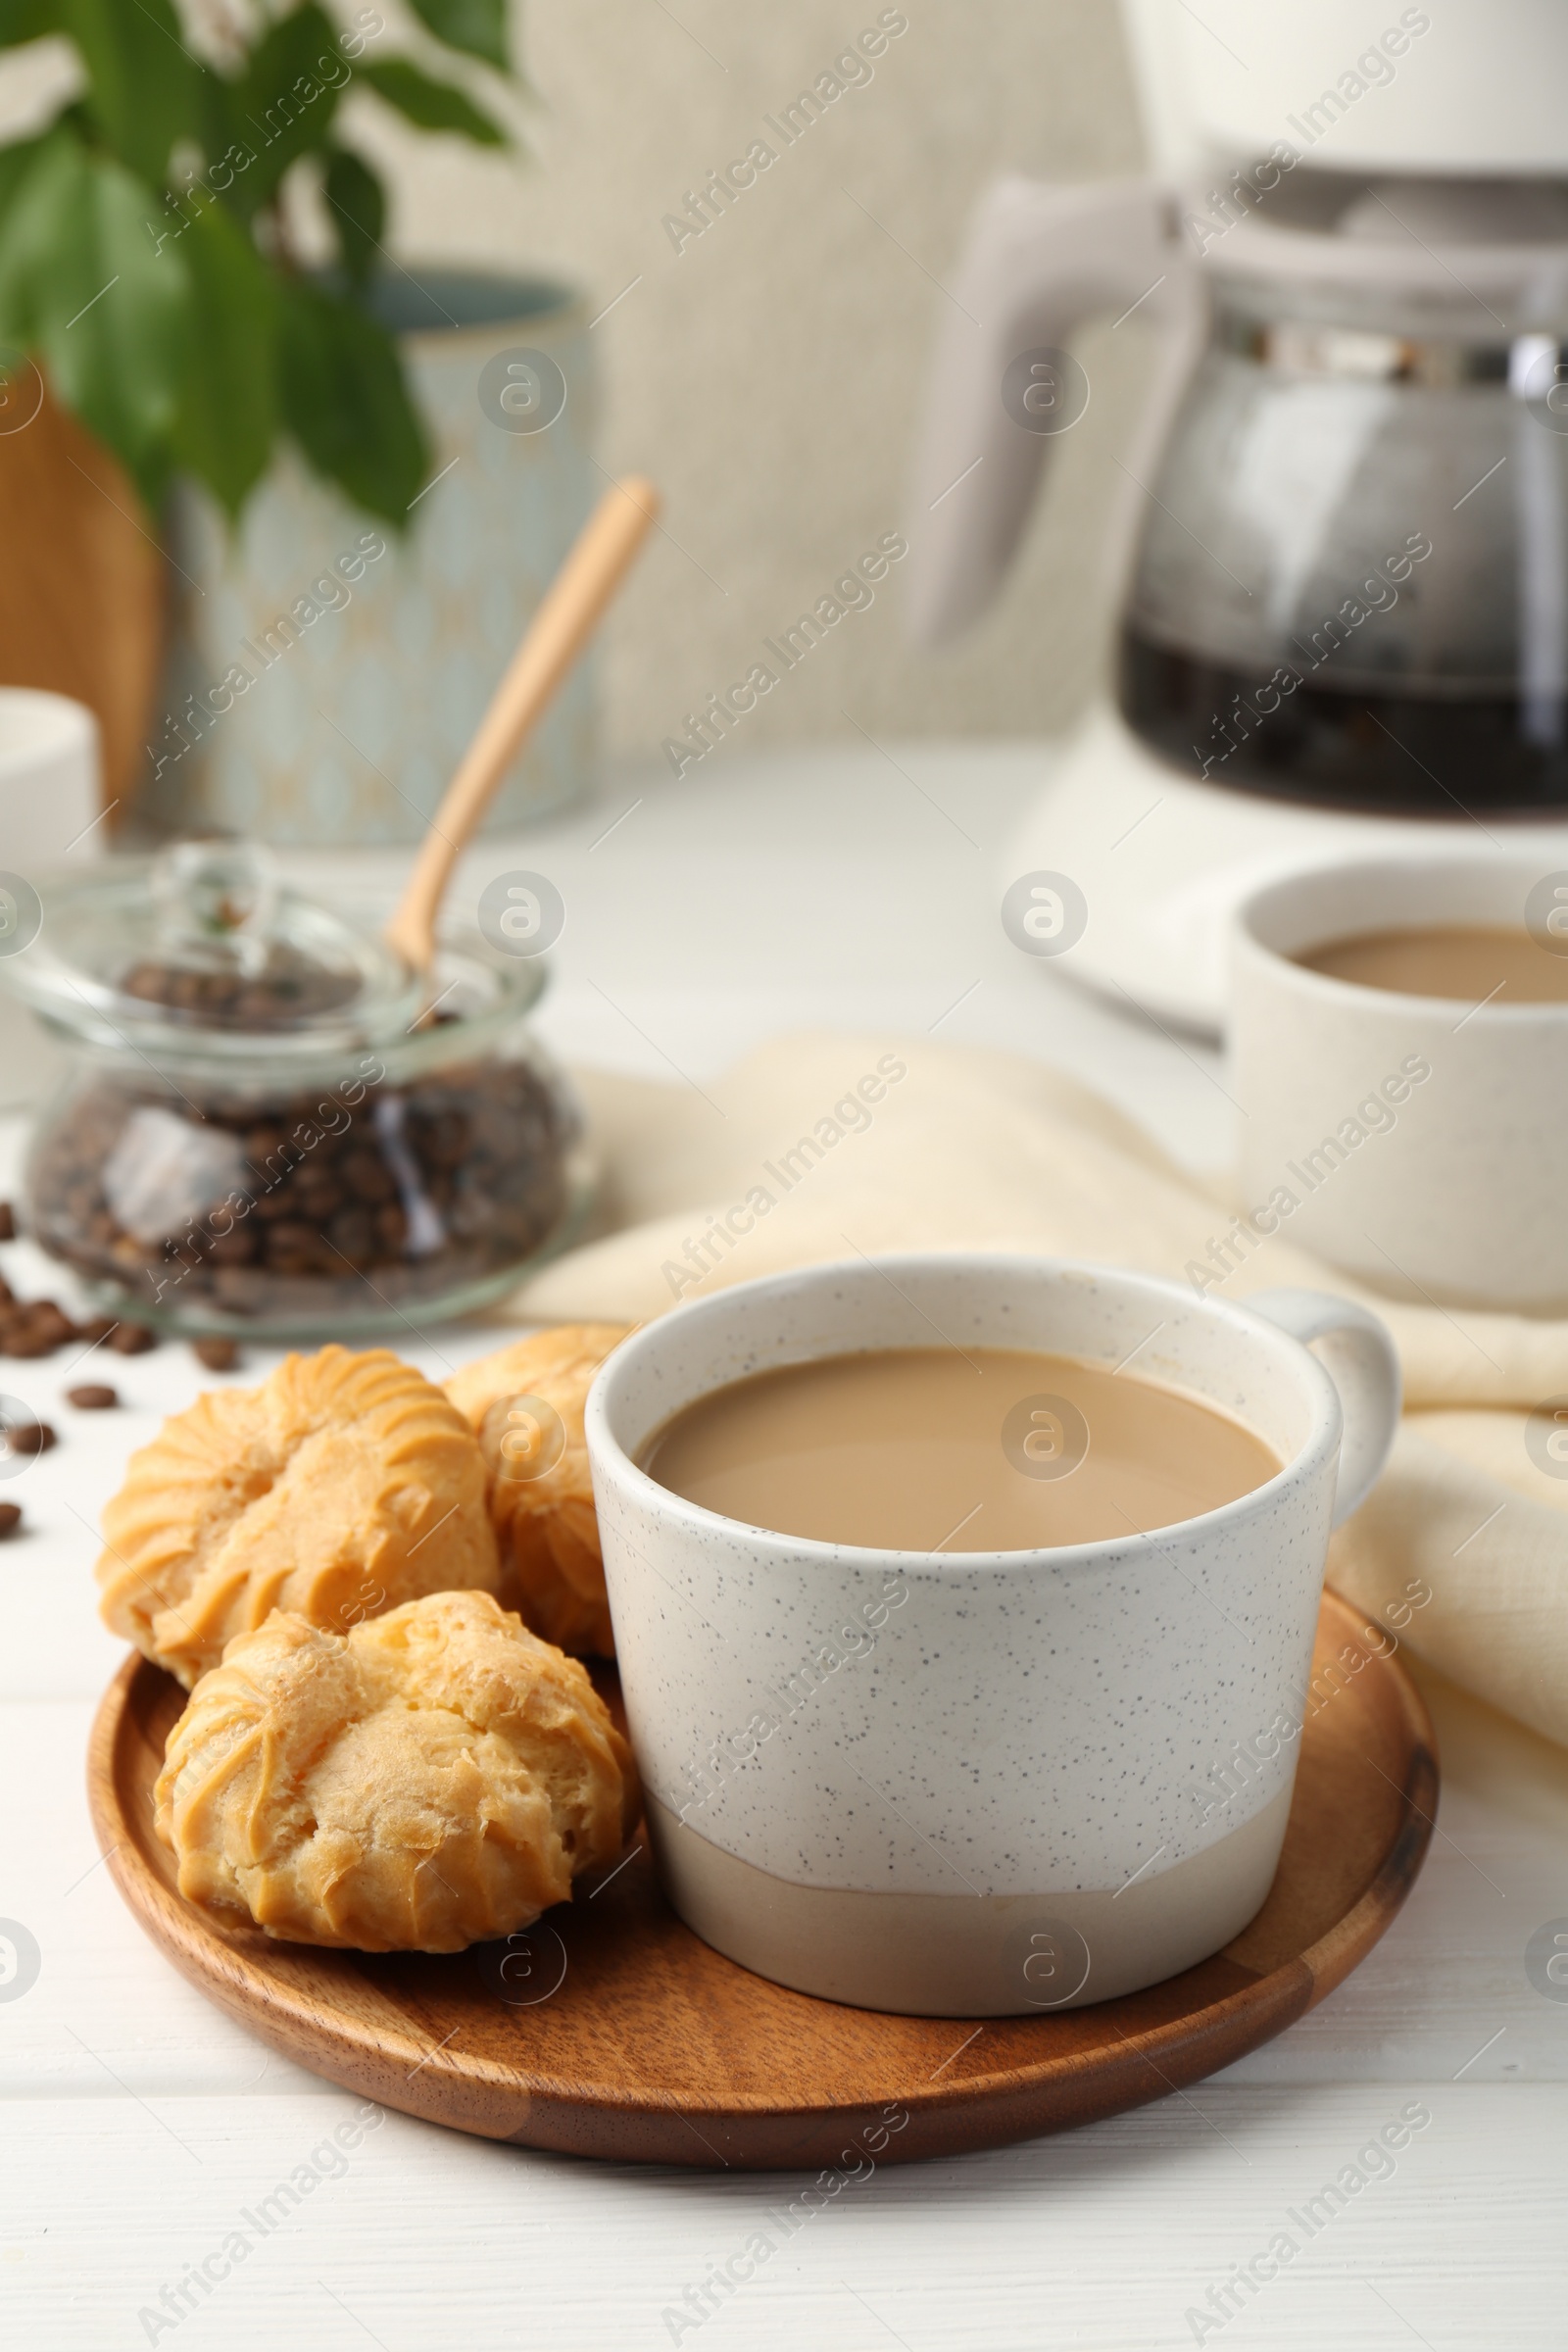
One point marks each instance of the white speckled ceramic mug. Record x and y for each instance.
(1421, 1143)
(976, 1783)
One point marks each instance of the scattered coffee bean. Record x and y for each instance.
(22, 1333)
(10, 1519)
(98, 1329)
(218, 1356)
(92, 1398)
(131, 1339)
(8, 1222)
(30, 1436)
(34, 1327)
(16, 1339)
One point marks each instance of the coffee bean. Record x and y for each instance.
(367, 1177)
(92, 1398)
(294, 1247)
(8, 1222)
(99, 1329)
(132, 1339)
(392, 1229)
(30, 1436)
(49, 1319)
(416, 1190)
(353, 1230)
(445, 1139)
(10, 1519)
(291, 987)
(21, 1335)
(218, 1356)
(237, 1249)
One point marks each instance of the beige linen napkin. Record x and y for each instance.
(825, 1145)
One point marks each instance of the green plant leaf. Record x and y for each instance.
(160, 323)
(356, 202)
(219, 129)
(26, 20)
(14, 165)
(27, 178)
(142, 81)
(346, 403)
(82, 284)
(282, 107)
(229, 401)
(431, 105)
(478, 25)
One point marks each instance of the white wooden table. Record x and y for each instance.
(138, 2127)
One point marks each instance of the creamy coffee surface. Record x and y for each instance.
(1462, 963)
(943, 1449)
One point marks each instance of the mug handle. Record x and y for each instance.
(1359, 1359)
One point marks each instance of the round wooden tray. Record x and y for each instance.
(610, 2030)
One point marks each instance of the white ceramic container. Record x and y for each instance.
(51, 794)
(977, 1783)
(1419, 1143)
(325, 674)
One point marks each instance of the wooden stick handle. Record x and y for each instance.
(560, 629)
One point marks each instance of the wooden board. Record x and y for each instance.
(610, 2030)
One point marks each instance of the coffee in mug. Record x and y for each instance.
(1399, 1030)
(957, 1449)
(1469, 963)
(973, 1782)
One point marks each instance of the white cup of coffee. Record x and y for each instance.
(1399, 1048)
(914, 1775)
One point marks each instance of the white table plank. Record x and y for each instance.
(1101, 2239)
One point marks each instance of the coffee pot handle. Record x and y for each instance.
(1039, 263)
(1359, 1359)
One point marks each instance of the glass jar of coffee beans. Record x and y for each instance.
(270, 1126)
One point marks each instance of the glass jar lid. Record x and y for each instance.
(205, 945)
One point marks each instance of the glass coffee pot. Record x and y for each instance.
(1342, 561)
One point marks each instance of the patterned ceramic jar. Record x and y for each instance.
(324, 676)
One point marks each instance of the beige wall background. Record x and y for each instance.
(770, 375)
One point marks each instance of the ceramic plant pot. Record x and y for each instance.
(323, 675)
